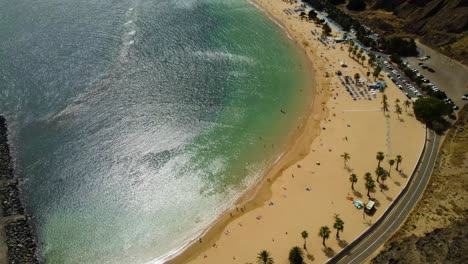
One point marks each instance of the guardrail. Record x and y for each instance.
(379, 221)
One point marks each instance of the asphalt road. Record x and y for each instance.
(381, 231)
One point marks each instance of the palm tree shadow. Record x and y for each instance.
(342, 243)
(349, 169)
(402, 174)
(384, 187)
(397, 183)
(329, 252)
(368, 222)
(358, 194)
(377, 203)
(310, 257)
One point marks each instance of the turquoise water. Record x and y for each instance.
(136, 123)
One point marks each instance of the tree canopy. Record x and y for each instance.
(356, 5)
(296, 255)
(326, 29)
(430, 109)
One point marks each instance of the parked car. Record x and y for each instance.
(465, 97)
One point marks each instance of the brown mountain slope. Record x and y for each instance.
(441, 24)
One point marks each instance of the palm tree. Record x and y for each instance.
(264, 257)
(305, 235)
(383, 177)
(367, 176)
(357, 76)
(370, 185)
(380, 156)
(296, 255)
(390, 162)
(350, 49)
(377, 71)
(353, 179)
(385, 103)
(399, 159)
(385, 106)
(398, 110)
(379, 172)
(338, 225)
(397, 101)
(354, 52)
(324, 233)
(302, 15)
(346, 157)
(406, 103)
(363, 58)
(371, 59)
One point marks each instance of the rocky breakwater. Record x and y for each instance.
(17, 228)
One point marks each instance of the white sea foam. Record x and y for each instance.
(223, 56)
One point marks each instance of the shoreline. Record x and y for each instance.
(342, 116)
(296, 148)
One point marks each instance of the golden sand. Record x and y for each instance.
(309, 185)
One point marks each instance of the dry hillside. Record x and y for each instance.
(441, 24)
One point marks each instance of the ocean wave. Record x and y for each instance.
(223, 56)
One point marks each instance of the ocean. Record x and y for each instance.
(135, 123)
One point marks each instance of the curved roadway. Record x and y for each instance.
(359, 250)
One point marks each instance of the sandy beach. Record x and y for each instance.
(310, 184)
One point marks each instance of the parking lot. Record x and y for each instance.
(422, 68)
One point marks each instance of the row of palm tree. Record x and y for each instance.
(398, 109)
(381, 174)
(385, 103)
(380, 156)
(357, 53)
(296, 254)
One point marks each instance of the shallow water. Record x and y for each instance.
(135, 123)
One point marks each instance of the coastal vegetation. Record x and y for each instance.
(296, 256)
(338, 225)
(324, 233)
(353, 179)
(384, 103)
(369, 184)
(431, 111)
(393, 45)
(264, 257)
(380, 156)
(356, 5)
(346, 157)
(390, 163)
(399, 159)
(305, 235)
